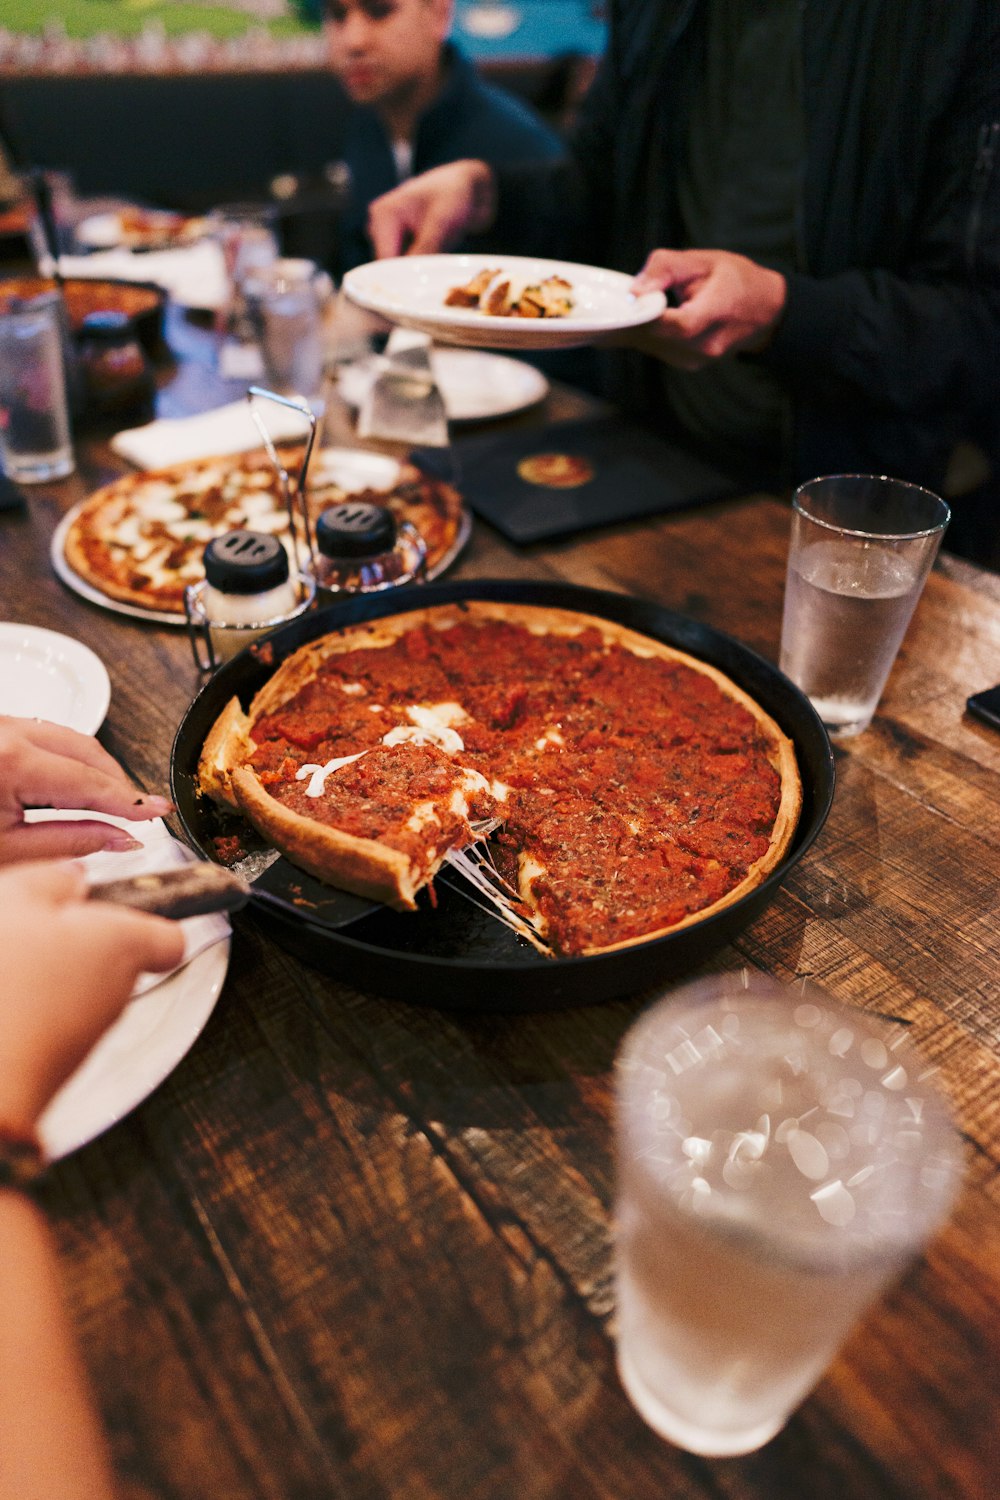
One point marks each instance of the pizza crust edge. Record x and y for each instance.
(363, 866)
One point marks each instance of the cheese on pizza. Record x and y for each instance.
(141, 538)
(633, 788)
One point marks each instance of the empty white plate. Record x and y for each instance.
(475, 387)
(45, 675)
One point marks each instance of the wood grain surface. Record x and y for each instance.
(358, 1248)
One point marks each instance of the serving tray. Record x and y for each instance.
(455, 954)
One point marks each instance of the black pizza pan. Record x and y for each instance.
(453, 954)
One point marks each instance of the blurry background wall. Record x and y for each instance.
(187, 102)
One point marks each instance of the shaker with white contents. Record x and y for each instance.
(248, 590)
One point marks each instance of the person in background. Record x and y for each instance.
(817, 189)
(69, 967)
(417, 103)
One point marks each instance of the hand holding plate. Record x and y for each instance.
(722, 303)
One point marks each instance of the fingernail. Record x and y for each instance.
(121, 842)
(161, 807)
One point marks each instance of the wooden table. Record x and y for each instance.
(353, 1247)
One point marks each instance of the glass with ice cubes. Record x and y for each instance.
(781, 1159)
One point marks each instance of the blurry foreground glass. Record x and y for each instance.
(781, 1158)
(35, 440)
(287, 303)
(861, 549)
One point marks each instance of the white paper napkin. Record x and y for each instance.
(160, 851)
(192, 275)
(227, 429)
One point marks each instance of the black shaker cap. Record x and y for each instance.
(356, 529)
(245, 562)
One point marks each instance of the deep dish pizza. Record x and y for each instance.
(627, 788)
(142, 537)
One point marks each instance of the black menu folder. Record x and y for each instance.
(533, 485)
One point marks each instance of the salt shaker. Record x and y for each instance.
(361, 549)
(247, 591)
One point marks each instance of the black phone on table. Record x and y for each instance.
(986, 706)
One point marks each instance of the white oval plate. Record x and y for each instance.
(410, 290)
(475, 386)
(45, 675)
(158, 1026)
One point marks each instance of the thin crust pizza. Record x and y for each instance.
(628, 789)
(141, 538)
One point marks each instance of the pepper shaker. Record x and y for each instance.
(361, 549)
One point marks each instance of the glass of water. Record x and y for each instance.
(861, 548)
(247, 235)
(35, 442)
(288, 302)
(781, 1158)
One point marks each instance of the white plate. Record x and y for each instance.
(410, 290)
(156, 1028)
(45, 675)
(351, 468)
(475, 386)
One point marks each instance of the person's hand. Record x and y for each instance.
(44, 765)
(433, 211)
(69, 965)
(726, 303)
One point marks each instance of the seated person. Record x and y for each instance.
(418, 103)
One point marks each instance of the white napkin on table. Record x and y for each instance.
(227, 429)
(191, 275)
(160, 851)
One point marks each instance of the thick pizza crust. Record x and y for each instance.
(366, 867)
(79, 541)
(360, 865)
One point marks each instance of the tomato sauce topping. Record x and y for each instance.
(643, 791)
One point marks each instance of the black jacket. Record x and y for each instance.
(890, 342)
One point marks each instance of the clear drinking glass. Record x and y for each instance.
(287, 303)
(861, 548)
(781, 1158)
(35, 443)
(247, 236)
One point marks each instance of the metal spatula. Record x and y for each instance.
(403, 403)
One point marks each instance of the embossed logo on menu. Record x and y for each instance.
(556, 471)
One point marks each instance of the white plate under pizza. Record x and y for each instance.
(135, 545)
